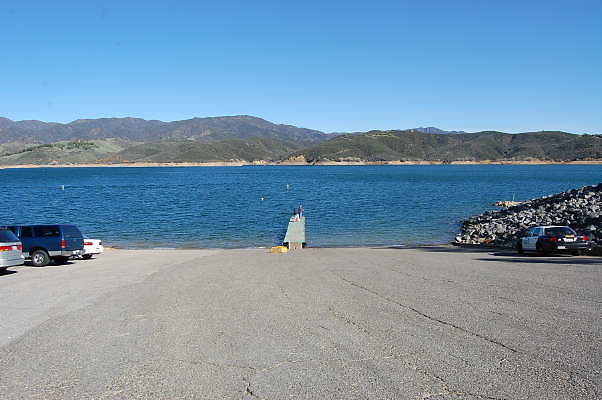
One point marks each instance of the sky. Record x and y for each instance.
(335, 66)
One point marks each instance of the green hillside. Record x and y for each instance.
(374, 146)
(116, 150)
(413, 145)
(254, 149)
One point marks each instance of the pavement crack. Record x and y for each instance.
(448, 390)
(430, 317)
(424, 278)
(249, 393)
(211, 363)
(279, 364)
(348, 320)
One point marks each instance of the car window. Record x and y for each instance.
(71, 231)
(7, 236)
(559, 231)
(47, 231)
(26, 231)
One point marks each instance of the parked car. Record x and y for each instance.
(552, 239)
(10, 250)
(43, 243)
(92, 247)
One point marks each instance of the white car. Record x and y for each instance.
(92, 247)
(10, 250)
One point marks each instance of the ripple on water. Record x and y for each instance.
(222, 206)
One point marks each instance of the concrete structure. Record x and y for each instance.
(295, 234)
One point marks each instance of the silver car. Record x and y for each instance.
(11, 250)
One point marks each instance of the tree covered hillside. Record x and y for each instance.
(413, 145)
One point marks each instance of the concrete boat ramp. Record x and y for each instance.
(354, 323)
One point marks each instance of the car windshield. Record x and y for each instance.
(7, 236)
(559, 231)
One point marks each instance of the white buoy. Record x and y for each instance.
(261, 198)
(287, 186)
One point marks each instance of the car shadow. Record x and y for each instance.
(52, 264)
(533, 258)
(565, 260)
(527, 254)
(442, 249)
(506, 255)
(62, 264)
(7, 272)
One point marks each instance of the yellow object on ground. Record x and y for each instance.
(279, 249)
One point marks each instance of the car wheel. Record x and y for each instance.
(87, 256)
(519, 247)
(539, 250)
(60, 260)
(577, 252)
(40, 258)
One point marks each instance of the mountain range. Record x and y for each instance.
(250, 139)
(137, 129)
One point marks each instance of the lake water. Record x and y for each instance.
(223, 206)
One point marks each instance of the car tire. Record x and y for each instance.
(87, 256)
(40, 258)
(577, 252)
(519, 247)
(539, 250)
(60, 260)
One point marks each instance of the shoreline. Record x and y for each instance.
(351, 246)
(294, 163)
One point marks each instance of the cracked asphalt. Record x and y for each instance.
(357, 323)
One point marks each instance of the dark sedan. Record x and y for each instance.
(552, 239)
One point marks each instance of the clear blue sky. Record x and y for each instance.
(329, 65)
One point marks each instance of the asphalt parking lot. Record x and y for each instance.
(358, 323)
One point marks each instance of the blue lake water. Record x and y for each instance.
(223, 206)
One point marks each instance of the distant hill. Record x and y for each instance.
(136, 129)
(250, 139)
(414, 145)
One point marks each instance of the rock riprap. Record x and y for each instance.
(581, 209)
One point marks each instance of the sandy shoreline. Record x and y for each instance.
(322, 163)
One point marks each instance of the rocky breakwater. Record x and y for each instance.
(581, 209)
